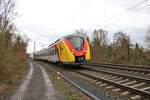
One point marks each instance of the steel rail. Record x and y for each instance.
(86, 92)
(121, 75)
(144, 94)
(80, 88)
(122, 65)
(139, 69)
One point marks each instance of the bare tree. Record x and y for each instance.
(83, 33)
(7, 15)
(100, 37)
(121, 45)
(99, 47)
(148, 38)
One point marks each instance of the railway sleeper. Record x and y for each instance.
(148, 74)
(130, 72)
(83, 77)
(97, 83)
(110, 87)
(121, 81)
(103, 85)
(116, 90)
(102, 75)
(90, 79)
(129, 83)
(136, 73)
(116, 79)
(125, 93)
(137, 85)
(86, 78)
(93, 81)
(109, 78)
(136, 97)
(146, 88)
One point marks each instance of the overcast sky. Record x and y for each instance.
(44, 21)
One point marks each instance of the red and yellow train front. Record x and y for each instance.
(73, 49)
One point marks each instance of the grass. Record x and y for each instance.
(11, 74)
(63, 88)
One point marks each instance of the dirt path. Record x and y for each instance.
(39, 87)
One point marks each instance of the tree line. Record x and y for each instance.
(12, 47)
(120, 50)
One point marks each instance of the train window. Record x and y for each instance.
(60, 47)
(76, 41)
(55, 51)
(49, 52)
(52, 52)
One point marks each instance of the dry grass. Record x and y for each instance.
(11, 72)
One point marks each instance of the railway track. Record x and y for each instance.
(120, 65)
(124, 85)
(64, 73)
(118, 85)
(130, 70)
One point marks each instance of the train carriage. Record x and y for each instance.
(71, 49)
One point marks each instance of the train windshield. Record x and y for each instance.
(76, 42)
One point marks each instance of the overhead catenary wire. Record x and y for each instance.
(114, 18)
(75, 14)
(148, 5)
(129, 9)
(80, 9)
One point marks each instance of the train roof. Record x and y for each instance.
(71, 35)
(67, 36)
(54, 43)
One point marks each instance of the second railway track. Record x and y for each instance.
(126, 85)
(120, 65)
(129, 70)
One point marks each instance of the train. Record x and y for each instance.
(70, 49)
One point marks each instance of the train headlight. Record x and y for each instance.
(72, 52)
(58, 73)
(85, 51)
